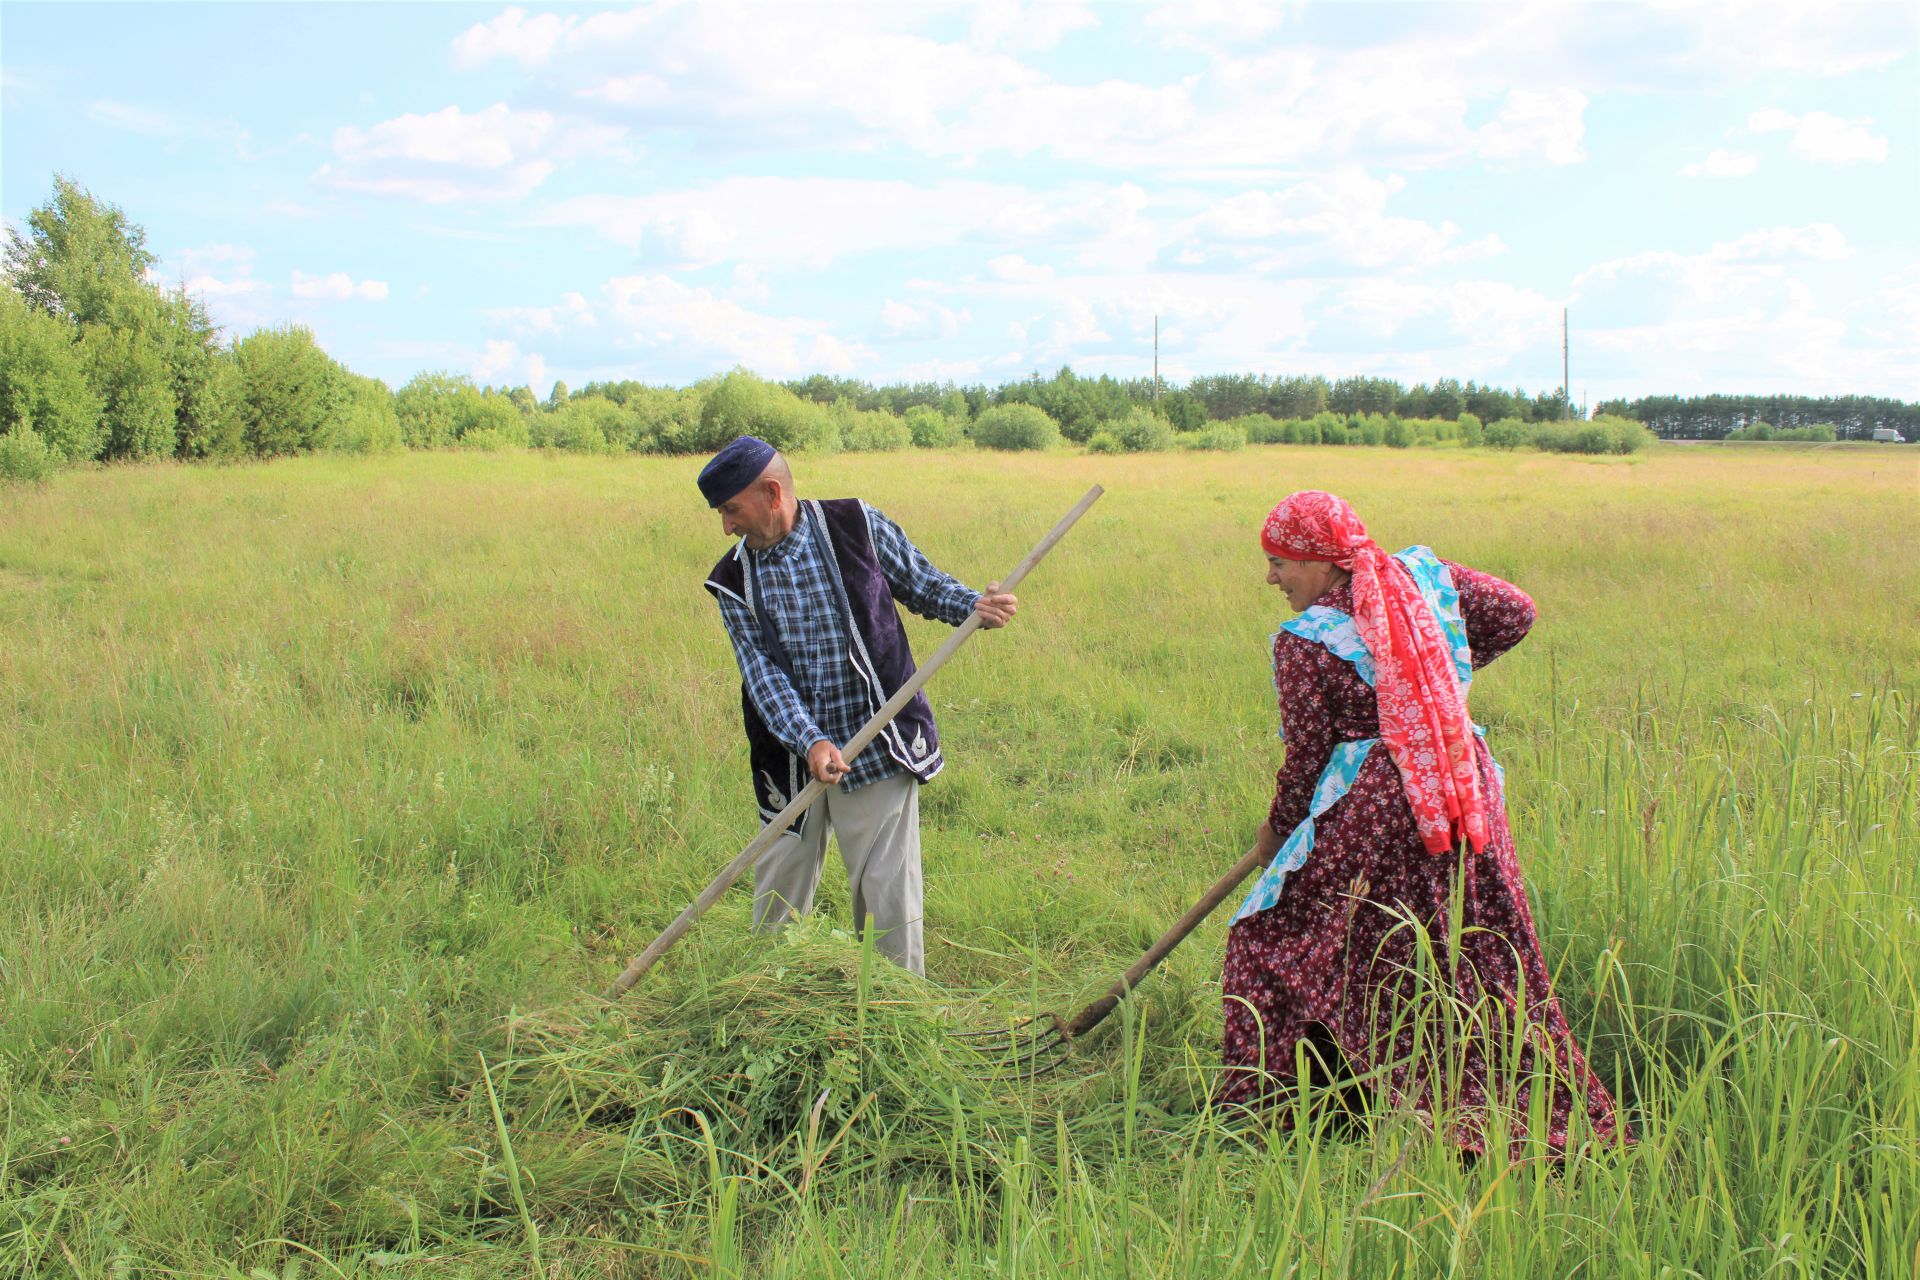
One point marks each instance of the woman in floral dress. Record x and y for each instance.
(1387, 816)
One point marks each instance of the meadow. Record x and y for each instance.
(333, 788)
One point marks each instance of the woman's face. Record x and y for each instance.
(1302, 581)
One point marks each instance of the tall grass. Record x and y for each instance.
(329, 786)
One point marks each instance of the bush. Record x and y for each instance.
(1471, 430)
(1221, 437)
(136, 390)
(1261, 428)
(1819, 432)
(932, 429)
(369, 423)
(1142, 431)
(1015, 426)
(1507, 433)
(1105, 442)
(24, 456)
(43, 384)
(740, 404)
(292, 393)
(1370, 429)
(869, 430)
(579, 425)
(1397, 434)
(425, 409)
(1604, 434)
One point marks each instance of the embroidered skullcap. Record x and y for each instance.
(1423, 710)
(734, 468)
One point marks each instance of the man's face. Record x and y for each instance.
(753, 514)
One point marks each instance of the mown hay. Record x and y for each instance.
(781, 1051)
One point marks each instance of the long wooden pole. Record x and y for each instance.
(1091, 1016)
(868, 732)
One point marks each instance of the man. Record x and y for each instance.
(808, 598)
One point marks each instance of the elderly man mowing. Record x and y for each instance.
(808, 598)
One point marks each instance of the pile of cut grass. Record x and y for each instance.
(779, 1053)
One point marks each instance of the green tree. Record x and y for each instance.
(124, 367)
(79, 259)
(292, 392)
(368, 421)
(425, 408)
(43, 383)
(1015, 426)
(205, 384)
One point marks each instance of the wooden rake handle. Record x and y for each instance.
(1094, 1014)
(811, 792)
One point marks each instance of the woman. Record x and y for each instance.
(1387, 816)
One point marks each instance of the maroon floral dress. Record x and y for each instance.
(1336, 961)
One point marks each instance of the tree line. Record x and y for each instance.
(100, 362)
(1721, 417)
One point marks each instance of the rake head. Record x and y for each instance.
(1031, 1047)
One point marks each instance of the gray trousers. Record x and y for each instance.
(878, 831)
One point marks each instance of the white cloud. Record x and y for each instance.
(513, 35)
(662, 315)
(451, 155)
(1721, 163)
(1032, 26)
(650, 322)
(922, 319)
(1546, 124)
(150, 122)
(338, 286)
(1013, 267)
(504, 363)
(1823, 138)
(1337, 220)
(572, 312)
(803, 222)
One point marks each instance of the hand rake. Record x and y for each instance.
(1034, 1046)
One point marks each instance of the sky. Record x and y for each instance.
(1724, 198)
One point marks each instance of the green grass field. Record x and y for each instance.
(326, 782)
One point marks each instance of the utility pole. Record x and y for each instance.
(1566, 384)
(1156, 357)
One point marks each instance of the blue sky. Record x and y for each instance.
(1725, 196)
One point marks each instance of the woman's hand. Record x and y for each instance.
(1268, 842)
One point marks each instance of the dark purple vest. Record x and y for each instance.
(879, 652)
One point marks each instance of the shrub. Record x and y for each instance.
(425, 409)
(1142, 431)
(740, 404)
(1261, 428)
(1105, 442)
(1396, 434)
(292, 392)
(1819, 432)
(1604, 434)
(580, 424)
(1221, 437)
(136, 389)
(1015, 426)
(932, 429)
(43, 384)
(369, 423)
(869, 430)
(1471, 430)
(24, 456)
(1370, 428)
(1507, 433)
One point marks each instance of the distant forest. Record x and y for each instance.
(98, 362)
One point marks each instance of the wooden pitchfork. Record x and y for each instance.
(1034, 1046)
(812, 791)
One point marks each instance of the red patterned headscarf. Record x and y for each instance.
(1423, 711)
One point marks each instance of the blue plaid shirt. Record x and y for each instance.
(825, 698)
